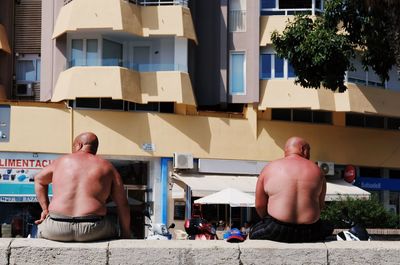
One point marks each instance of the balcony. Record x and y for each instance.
(159, 2)
(110, 16)
(151, 2)
(290, 7)
(121, 83)
(283, 93)
(4, 46)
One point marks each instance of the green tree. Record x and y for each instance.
(320, 49)
(369, 213)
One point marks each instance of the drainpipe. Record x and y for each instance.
(164, 189)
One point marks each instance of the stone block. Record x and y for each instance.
(171, 252)
(42, 252)
(363, 252)
(4, 250)
(270, 252)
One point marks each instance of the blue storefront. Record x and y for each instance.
(387, 190)
(18, 204)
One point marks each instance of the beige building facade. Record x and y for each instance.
(129, 71)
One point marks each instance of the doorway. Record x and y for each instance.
(134, 175)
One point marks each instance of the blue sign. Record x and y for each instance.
(378, 183)
(15, 192)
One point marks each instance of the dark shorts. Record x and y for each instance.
(271, 229)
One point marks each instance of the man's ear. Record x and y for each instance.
(76, 147)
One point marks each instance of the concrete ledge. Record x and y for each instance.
(187, 252)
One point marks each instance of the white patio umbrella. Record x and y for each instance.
(231, 196)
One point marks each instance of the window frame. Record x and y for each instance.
(231, 73)
(36, 60)
(273, 71)
(243, 15)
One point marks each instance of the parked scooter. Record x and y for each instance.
(158, 231)
(199, 229)
(356, 231)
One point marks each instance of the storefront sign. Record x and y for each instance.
(22, 167)
(17, 174)
(378, 184)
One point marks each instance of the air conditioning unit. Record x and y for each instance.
(327, 167)
(183, 161)
(24, 90)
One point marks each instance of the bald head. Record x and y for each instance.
(298, 146)
(86, 142)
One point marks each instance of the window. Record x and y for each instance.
(393, 123)
(302, 115)
(266, 66)
(237, 74)
(359, 76)
(91, 53)
(394, 174)
(112, 53)
(111, 104)
(84, 52)
(279, 67)
(272, 66)
(368, 121)
(370, 172)
(77, 53)
(237, 15)
(268, 4)
(28, 70)
(290, 7)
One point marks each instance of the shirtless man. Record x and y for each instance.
(82, 183)
(290, 195)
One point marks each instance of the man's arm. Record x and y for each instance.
(261, 197)
(119, 197)
(42, 181)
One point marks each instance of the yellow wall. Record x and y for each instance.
(38, 128)
(224, 138)
(50, 128)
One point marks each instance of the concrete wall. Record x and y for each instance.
(42, 252)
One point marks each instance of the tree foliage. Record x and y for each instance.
(369, 213)
(320, 49)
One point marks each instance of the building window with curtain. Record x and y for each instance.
(237, 16)
(237, 73)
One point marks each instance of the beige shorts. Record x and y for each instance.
(89, 228)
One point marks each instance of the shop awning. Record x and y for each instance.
(339, 189)
(205, 184)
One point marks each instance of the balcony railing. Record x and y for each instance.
(237, 20)
(129, 65)
(151, 2)
(290, 12)
(159, 2)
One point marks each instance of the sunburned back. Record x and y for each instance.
(81, 185)
(293, 185)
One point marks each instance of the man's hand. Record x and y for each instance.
(43, 216)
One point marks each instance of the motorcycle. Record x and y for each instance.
(199, 229)
(158, 231)
(356, 231)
